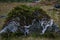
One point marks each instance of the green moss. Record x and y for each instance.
(26, 11)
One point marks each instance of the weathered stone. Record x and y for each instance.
(28, 20)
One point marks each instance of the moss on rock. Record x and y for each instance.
(28, 12)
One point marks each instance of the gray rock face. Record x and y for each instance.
(39, 26)
(12, 26)
(43, 26)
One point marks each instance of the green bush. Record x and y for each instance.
(26, 11)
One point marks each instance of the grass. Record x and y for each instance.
(6, 7)
(28, 38)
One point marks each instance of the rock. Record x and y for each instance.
(57, 6)
(2, 16)
(12, 26)
(29, 20)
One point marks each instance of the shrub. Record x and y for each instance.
(28, 12)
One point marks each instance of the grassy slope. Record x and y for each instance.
(6, 7)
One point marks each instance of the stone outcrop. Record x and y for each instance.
(28, 20)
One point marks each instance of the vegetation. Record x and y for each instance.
(25, 11)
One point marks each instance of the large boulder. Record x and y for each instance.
(27, 19)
